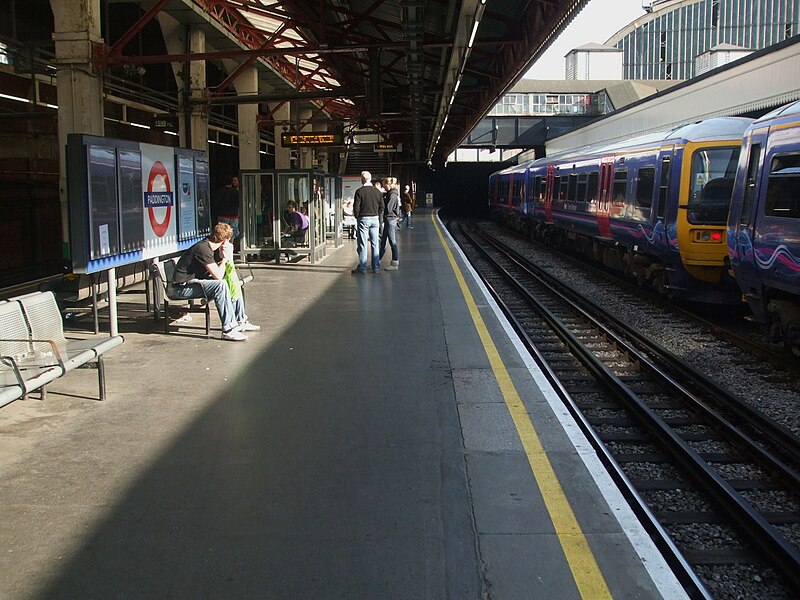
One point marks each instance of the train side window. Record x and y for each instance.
(538, 196)
(562, 187)
(750, 184)
(573, 187)
(663, 188)
(620, 186)
(591, 190)
(783, 188)
(645, 182)
(581, 194)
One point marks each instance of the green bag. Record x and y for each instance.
(232, 279)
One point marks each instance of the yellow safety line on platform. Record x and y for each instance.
(585, 572)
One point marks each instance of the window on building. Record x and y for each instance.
(783, 188)
(645, 181)
(714, 13)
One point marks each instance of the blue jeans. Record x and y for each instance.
(407, 220)
(368, 227)
(389, 233)
(231, 312)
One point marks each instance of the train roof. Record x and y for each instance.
(793, 108)
(707, 130)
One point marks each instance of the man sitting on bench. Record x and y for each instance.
(200, 273)
(298, 224)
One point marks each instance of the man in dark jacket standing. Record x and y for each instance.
(367, 208)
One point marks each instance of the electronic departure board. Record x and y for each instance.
(289, 139)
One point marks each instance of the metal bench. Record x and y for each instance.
(162, 272)
(45, 348)
(23, 367)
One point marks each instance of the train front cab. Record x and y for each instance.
(764, 224)
(707, 175)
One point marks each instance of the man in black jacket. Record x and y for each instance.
(367, 208)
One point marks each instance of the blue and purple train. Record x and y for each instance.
(764, 223)
(687, 212)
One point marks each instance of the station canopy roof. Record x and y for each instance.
(417, 72)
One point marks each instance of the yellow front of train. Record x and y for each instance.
(708, 169)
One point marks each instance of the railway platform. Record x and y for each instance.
(381, 437)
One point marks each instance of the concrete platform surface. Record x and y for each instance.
(358, 446)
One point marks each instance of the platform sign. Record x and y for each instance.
(130, 201)
(158, 182)
(429, 200)
(387, 147)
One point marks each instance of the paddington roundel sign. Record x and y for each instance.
(159, 194)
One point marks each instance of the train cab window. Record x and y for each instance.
(563, 185)
(645, 182)
(573, 187)
(783, 188)
(750, 184)
(711, 185)
(581, 193)
(591, 189)
(620, 187)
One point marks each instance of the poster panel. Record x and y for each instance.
(186, 194)
(203, 193)
(130, 196)
(103, 207)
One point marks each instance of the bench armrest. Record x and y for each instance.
(53, 346)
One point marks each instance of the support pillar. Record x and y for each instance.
(306, 153)
(190, 79)
(198, 114)
(283, 157)
(249, 146)
(79, 86)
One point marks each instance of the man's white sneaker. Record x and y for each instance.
(247, 326)
(234, 335)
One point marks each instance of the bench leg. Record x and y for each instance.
(208, 320)
(166, 316)
(101, 377)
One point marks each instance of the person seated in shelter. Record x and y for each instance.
(200, 273)
(298, 223)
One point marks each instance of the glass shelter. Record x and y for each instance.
(333, 209)
(283, 213)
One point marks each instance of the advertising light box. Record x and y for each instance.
(129, 201)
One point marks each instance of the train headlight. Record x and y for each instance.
(708, 236)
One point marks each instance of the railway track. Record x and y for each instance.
(701, 468)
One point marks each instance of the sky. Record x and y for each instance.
(598, 21)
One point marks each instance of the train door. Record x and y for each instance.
(510, 197)
(744, 221)
(664, 186)
(604, 201)
(548, 195)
